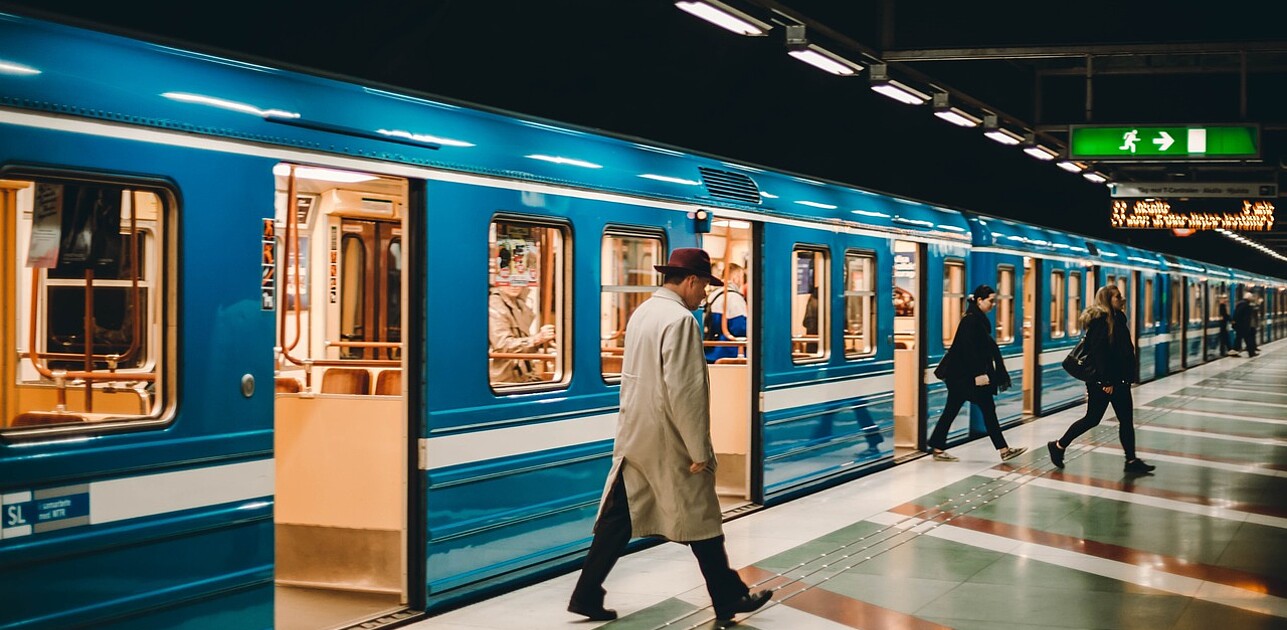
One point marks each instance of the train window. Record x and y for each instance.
(809, 302)
(1213, 301)
(628, 279)
(1057, 304)
(527, 336)
(1005, 304)
(1195, 302)
(92, 304)
(953, 298)
(1177, 302)
(860, 304)
(1149, 320)
(1074, 303)
(352, 293)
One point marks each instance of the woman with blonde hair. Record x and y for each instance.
(1112, 360)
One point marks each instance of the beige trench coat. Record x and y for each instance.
(664, 425)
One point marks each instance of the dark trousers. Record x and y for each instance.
(1224, 341)
(612, 532)
(1247, 335)
(1096, 405)
(980, 397)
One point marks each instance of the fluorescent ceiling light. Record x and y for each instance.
(1004, 136)
(1094, 177)
(562, 160)
(1071, 166)
(725, 17)
(235, 106)
(322, 174)
(9, 67)
(958, 117)
(1041, 152)
(673, 180)
(901, 92)
(826, 60)
(814, 204)
(424, 137)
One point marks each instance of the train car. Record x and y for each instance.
(285, 350)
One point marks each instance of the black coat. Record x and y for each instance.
(1113, 357)
(1244, 315)
(973, 352)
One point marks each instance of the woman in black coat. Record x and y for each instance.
(973, 370)
(1111, 355)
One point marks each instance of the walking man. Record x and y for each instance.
(1244, 323)
(662, 482)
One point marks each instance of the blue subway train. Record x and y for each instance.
(283, 350)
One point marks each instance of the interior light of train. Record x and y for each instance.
(563, 160)
(814, 204)
(768, 195)
(725, 17)
(235, 106)
(901, 92)
(826, 61)
(423, 137)
(322, 174)
(1071, 166)
(673, 180)
(9, 67)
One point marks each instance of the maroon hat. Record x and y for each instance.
(692, 260)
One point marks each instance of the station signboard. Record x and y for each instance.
(1226, 190)
(1163, 142)
(1239, 215)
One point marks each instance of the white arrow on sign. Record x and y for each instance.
(1164, 142)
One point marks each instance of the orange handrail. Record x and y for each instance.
(36, 357)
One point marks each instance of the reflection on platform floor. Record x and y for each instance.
(977, 544)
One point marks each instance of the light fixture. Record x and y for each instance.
(944, 109)
(725, 16)
(799, 46)
(1038, 150)
(1094, 177)
(992, 128)
(897, 90)
(1071, 166)
(322, 174)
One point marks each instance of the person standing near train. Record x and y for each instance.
(726, 306)
(662, 481)
(973, 371)
(1244, 324)
(509, 330)
(1111, 356)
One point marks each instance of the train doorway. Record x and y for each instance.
(1031, 374)
(907, 349)
(730, 354)
(341, 425)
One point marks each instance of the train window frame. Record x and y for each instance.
(624, 232)
(1005, 304)
(1147, 310)
(158, 280)
(561, 302)
(1177, 302)
(1195, 305)
(821, 281)
(871, 312)
(1074, 290)
(953, 301)
(1058, 295)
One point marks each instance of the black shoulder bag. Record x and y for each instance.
(1077, 363)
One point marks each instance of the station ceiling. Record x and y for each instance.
(644, 68)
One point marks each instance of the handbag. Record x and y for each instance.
(1077, 363)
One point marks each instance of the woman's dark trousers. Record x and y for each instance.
(980, 397)
(1097, 403)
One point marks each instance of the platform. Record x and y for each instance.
(977, 544)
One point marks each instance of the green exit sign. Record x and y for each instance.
(1182, 142)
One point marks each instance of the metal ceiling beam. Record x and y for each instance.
(1139, 71)
(1098, 50)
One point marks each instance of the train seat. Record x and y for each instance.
(389, 383)
(44, 418)
(730, 361)
(346, 381)
(287, 385)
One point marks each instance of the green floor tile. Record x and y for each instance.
(658, 614)
(1203, 615)
(1056, 607)
(1221, 393)
(1218, 406)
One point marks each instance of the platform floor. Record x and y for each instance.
(976, 544)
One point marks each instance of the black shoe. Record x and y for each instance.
(748, 602)
(1056, 454)
(1138, 466)
(594, 613)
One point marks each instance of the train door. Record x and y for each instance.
(1007, 311)
(1175, 323)
(341, 423)
(1031, 345)
(907, 349)
(730, 354)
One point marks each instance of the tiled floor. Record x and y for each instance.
(981, 545)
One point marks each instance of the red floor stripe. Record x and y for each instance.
(832, 606)
(1140, 487)
(1276, 586)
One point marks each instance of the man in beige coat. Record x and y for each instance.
(662, 482)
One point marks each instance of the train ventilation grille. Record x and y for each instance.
(728, 185)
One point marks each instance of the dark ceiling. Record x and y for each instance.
(643, 68)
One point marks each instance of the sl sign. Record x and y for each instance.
(1153, 143)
